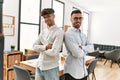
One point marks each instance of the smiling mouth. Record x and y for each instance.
(78, 23)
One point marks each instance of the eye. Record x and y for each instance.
(76, 18)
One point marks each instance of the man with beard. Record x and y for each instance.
(75, 42)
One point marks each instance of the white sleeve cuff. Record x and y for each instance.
(84, 49)
(40, 48)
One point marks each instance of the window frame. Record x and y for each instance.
(19, 21)
(63, 11)
(84, 12)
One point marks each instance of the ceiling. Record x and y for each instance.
(99, 5)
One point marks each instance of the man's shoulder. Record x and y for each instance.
(58, 31)
(69, 32)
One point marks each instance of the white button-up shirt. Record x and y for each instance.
(49, 59)
(75, 61)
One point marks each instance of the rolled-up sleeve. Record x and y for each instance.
(72, 46)
(56, 47)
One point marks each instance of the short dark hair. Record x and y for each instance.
(47, 11)
(76, 11)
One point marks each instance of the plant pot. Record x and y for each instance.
(12, 47)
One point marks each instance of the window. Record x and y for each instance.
(85, 23)
(29, 23)
(30, 13)
(59, 13)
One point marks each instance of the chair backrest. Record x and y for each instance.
(34, 56)
(113, 55)
(95, 54)
(21, 73)
(91, 66)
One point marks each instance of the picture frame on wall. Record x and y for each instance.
(8, 25)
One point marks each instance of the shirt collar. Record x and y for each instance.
(75, 29)
(52, 27)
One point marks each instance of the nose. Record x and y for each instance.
(78, 20)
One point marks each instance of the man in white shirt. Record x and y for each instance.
(49, 46)
(75, 42)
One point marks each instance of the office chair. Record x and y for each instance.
(114, 56)
(91, 68)
(95, 54)
(21, 73)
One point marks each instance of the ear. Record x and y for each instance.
(71, 19)
(54, 15)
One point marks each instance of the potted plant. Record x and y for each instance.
(12, 47)
(26, 50)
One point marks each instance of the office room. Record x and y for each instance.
(22, 21)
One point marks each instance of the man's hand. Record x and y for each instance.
(49, 46)
(80, 47)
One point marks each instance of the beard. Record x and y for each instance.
(77, 25)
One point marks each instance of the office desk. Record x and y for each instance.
(31, 64)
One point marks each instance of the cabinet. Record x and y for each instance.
(11, 59)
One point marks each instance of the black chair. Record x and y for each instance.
(114, 56)
(22, 74)
(62, 77)
(32, 56)
(95, 54)
(91, 68)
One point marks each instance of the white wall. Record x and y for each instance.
(105, 27)
(10, 7)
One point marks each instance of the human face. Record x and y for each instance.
(76, 20)
(49, 19)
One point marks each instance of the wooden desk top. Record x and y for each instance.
(31, 64)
